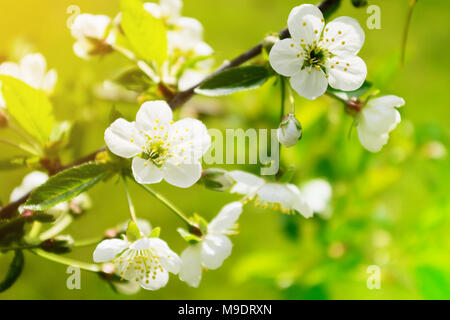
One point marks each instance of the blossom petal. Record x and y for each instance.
(215, 249)
(317, 193)
(152, 112)
(246, 183)
(191, 268)
(29, 182)
(306, 23)
(182, 175)
(346, 73)
(49, 81)
(285, 57)
(345, 35)
(11, 69)
(155, 281)
(169, 260)
(145, 172)
(107, 250)
(372, 141)
(33, 68)
(380, 115)
(310, 84)
(226, 219)
(171, 8)
(123, 139)
(300, 204)
(189, 139)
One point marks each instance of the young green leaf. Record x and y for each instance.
(146, 34)
(133, 232)
(30, 107)
(155, 233)
(15, 269)
(66, 185)
(234, 80)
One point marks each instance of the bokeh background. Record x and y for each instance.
(389, 209)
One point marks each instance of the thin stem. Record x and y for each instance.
(130, 202)
(166, 202)
(62, 224)
(406, 31)
(283, 96)
(12, 222)
(291, 99)
(21, 146)
(87, 242)
(66, 261)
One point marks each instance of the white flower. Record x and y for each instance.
(160, 148)
(281, 196)
(214, 247)
(317, 193)
(91, 33)
(32, 70)
(377, 119)
(316, 56)
(290, 131)
(29, 183)
(146, 261)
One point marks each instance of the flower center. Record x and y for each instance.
(157, 150)
(315, 57)
(138, 265)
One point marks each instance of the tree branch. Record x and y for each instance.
(180, 98)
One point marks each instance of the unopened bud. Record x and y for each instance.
(80, 204)
(217, 179)
(58, 244)
(289, 131)
(359, 3)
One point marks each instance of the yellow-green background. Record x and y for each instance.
(389, 209)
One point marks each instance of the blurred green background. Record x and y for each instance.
(389, 209)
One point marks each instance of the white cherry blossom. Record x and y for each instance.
(160, 148)
(284, 197)
(146, 261)
(213, 248)
(91, 32)
(318, 55)
(377, 119)
(32, 69)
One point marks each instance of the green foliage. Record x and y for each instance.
(235, 80)
(14, 271)
(30, 107)
(66, 185)
(146, 34)
(346, 95)
(433, 282)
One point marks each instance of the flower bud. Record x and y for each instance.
(217, 179)
(289, 131)
(58, 244)
(359, 3)
(269, 41)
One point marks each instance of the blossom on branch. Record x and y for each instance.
(284, 197)
(213, 248)
(160, 148)
(376, 120)
(146, 261)
(32, 70)
(318, 55)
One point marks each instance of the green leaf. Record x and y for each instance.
(155, 233)
(30, 107)
(234, 80)
(432, 282)
(15, 269)
(146, 34)
(188, 237)
(346, 95)
(134, 79)
(66, 185)
(133, 232)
